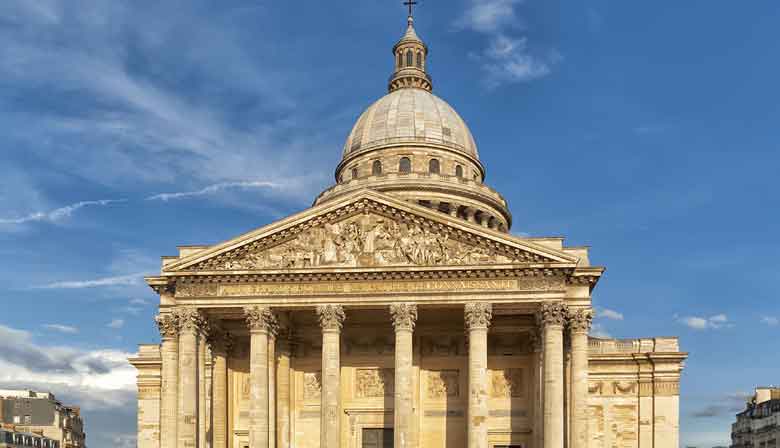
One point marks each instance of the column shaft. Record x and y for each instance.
(552, 317)
(187, 426)
(261, 322)
(272, 391)
(283, 395)
(219, 400)
(477, 316)
(579, 324)
(404, 317)
(169, 351)
(331, 319)
(201, 392)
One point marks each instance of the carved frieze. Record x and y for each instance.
(372, 383)
(312, 385)
(369, 345)
(443, 345)
(443, 384)
(624, 387)
(367, 234)
(507, 383)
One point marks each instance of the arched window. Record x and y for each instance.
(405, 165)
(409, 60)
(459, 171)
(400, 60)
(354, 173)
(419, 60)
(376, 168)
(433, 166)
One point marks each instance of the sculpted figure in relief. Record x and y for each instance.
(507, 383)
(443, 383)
(364, 240)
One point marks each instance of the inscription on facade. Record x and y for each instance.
(365, 287)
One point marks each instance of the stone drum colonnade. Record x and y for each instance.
(186, 331)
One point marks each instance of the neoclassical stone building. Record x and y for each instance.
(397, 311)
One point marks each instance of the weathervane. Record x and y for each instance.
(410, 4)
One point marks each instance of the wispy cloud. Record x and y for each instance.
(116, 324)
(215, 188)
(139, 301)
(598, 331)
(120, 280)
(772, 321)
(607, 313)
(705, 323)
(62, 328)
(58, 214)
(507, 57)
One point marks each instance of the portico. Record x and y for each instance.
(397, 310)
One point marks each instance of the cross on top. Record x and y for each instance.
(410, 4)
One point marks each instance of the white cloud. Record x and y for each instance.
(489, 15)
(139, 301)
(507, 57)
(609, 314)
(705, 323)
(770, 320)
(215, 188)
(58, 214)
(120, 280)
(116, 323)
(100, 378)
(62, 328)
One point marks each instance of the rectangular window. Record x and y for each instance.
(27, 419)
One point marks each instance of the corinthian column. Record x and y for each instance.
(579, 326)
(261, 322)
(404, 317)
(331, 319)
(477, 318)
(283, 391)
(551, 317)
(221, 344)
(191, 321)
(169, 351)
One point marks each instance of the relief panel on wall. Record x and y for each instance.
(312, 385)
(373, 383)
(507, 383)
(443, 384)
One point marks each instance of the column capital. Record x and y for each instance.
(168, 324)
(331, 317)
(580, 320)
(260, 319)
(552, 314)
(478, 315)
(190, 320)
(404, 316)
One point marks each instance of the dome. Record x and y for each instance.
(412, 145)
(410, 116)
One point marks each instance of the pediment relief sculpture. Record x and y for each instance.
(363, 237)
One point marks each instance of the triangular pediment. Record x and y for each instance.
(368, 230)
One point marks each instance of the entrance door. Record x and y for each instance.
(378, 438)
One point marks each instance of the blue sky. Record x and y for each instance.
(647, 130)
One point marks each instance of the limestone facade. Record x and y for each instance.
(397, 310)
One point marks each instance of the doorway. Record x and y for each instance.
(377, 438)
